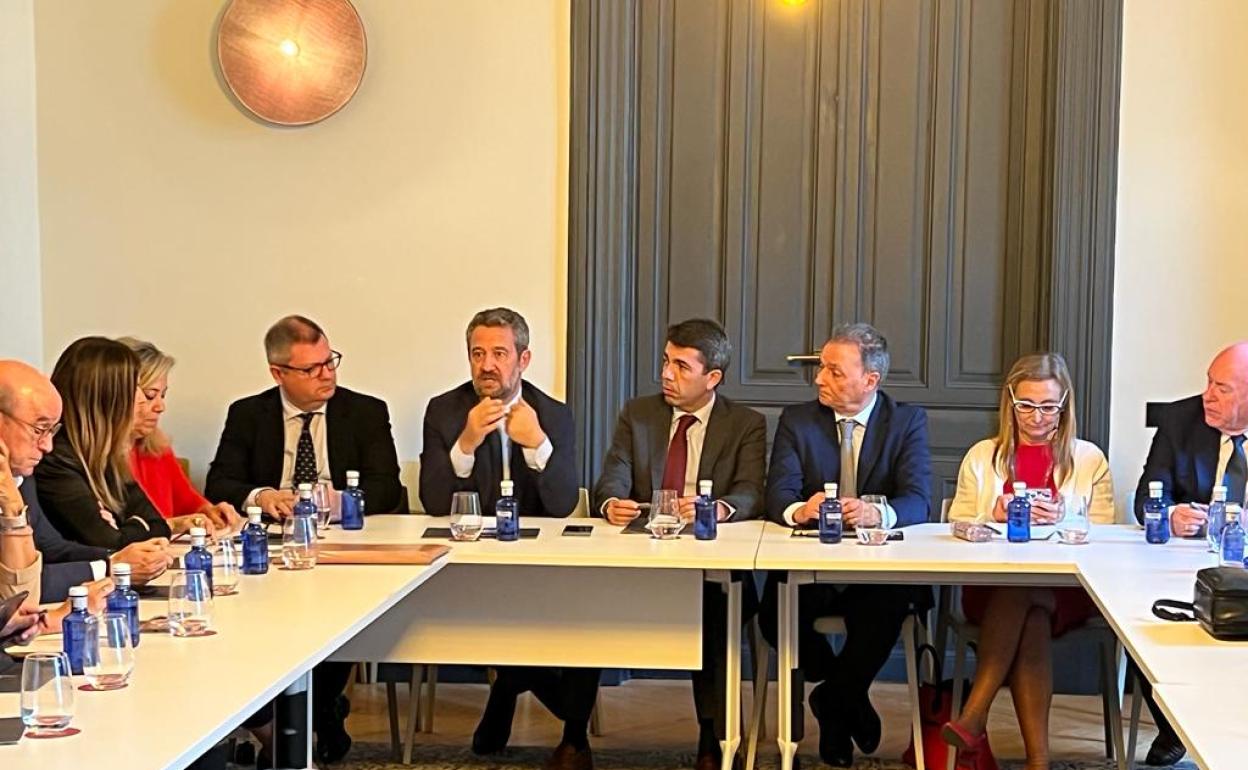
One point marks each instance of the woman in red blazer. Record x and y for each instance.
(152, 460)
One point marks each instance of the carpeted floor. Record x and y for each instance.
(376, 756)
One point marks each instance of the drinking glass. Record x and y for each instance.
(466, 520)
(226, 567)
(323, 498)
(190, 604)
(665, 522)
(1073, 526)
(114, 660)
(47, 692)
(878, 534)
(299, 542)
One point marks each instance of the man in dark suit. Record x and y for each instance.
(306, 430)
(30, 413)
(672, 440)
(498, 427)
(856, 435)
(1199, 444)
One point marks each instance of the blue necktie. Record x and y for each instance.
(1236, 477)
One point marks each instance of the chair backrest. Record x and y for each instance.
(944, 509)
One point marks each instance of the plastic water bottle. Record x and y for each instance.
(1217, 519)
(705, 513)
(199, 557)
(507, 512)
(353, 503)
(80, 632)
(1018, 516)
(304, 505)
(1232, 539)
(831, 518)
(255, 544)
(125, 601)
(1156, 516)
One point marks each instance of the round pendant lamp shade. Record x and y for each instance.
(292, 62)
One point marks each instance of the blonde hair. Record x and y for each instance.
(1037, 367)
(153, 364)
(97, 378)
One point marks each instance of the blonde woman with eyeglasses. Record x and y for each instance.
(1036, 443)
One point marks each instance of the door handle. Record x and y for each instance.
(802, 359)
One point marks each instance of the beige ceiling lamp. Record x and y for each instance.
(292, 62)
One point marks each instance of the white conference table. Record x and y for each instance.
(1208, 719)
(929, 554)
(188, 694)
(607, 600)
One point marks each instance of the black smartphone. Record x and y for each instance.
(896, 534)
(9, 607)
(578, 530)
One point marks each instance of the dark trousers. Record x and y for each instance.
(568, 693)
(873, 617)
(329, 680)
(709, 683)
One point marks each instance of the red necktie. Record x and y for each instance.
(678, 455)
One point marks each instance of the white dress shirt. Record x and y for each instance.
(292, 422)
(535, 458)
(888, 517)
(99, 568)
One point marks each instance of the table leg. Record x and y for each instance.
(292, 733)
(732, 690)
(786, 657)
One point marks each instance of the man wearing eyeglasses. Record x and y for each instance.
(30, 413)
(308, 429)
(1200, 443)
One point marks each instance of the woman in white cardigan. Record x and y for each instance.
(1035, 444)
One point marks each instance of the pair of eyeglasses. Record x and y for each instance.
(1048, 409)
(332, 363)
(39, 432)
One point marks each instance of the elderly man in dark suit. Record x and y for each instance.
(1199, 444)
(856, 435)
(306, 430)
(499, 427)
(30, 413)
(673, 440)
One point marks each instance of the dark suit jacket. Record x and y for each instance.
(358, 438)
(734, 454)
(65, 563)
(894, 459)
(1183, 456)
(74, 510)
(552, 492)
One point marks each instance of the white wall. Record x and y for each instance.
(1181, 272)
(21, 329)
(169, 214)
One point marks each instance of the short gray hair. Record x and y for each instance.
(501, 316)
(871, 345)
(286, 332)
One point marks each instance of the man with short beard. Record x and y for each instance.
(499, 427)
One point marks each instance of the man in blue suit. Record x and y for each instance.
(856, 435)
(1199, 444)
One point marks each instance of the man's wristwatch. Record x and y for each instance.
(14, 523)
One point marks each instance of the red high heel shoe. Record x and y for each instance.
(967, 745)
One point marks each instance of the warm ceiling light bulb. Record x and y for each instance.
(794, 2)
(289, 47)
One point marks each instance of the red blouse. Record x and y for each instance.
(1033, 465)
(166, 485)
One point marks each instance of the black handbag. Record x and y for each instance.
(1220, 604)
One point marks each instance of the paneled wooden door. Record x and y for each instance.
(794, 165)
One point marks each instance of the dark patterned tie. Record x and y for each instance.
(1236, 477)
(678, 455)
(305, 454)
